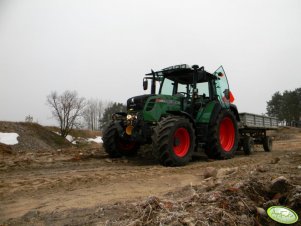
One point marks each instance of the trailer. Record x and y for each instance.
(253, 130)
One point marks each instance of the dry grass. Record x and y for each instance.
(78, 132)
(285, 133)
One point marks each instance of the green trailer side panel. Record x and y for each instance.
(158, 105)
(204, 115)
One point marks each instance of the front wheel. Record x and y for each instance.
(116, 146)
(222, 140)
(173, 141)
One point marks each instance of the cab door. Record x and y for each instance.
(224, 94)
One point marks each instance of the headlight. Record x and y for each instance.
(129, 117)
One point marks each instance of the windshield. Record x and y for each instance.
(169, 87)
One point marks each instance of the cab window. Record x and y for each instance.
(203, 89)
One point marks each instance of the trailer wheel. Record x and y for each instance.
(173, 141)
(116, 146)
(222, 141)
(248, 145)
(267, 144)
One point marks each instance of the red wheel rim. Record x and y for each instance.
(181, 142)
(126, 146)
(227, 134)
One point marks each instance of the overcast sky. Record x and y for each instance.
(102, 49)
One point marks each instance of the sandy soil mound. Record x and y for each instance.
(32, 136)
(5, 149)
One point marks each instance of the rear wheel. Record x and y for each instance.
(267, 144)
(116, 146)
(248, 145)
(222, 136)
(173, 141)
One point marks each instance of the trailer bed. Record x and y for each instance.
(253, 121)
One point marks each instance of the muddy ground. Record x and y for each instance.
(82, 186)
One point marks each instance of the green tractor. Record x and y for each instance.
(187, 110)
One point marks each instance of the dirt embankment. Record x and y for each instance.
(82, 186)
(32, 137)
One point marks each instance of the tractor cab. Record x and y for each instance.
(193, 85)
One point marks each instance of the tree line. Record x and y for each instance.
(72, 111)
(286, 107)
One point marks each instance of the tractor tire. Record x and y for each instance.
(116, 146)
(222, 141)
(173, 141)
(248, 145)
(267, 144)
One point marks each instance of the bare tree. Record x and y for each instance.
(67, 108)
(29, 119)
(93, 113)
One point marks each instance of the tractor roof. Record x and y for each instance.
(184, 74)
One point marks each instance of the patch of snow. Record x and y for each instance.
(73, 140)
(9, 138)
(69, 138)
(98, 140)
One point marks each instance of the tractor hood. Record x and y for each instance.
(137, 103)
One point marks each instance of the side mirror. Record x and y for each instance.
(145, 84)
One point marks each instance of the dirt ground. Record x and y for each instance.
(82, 186)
